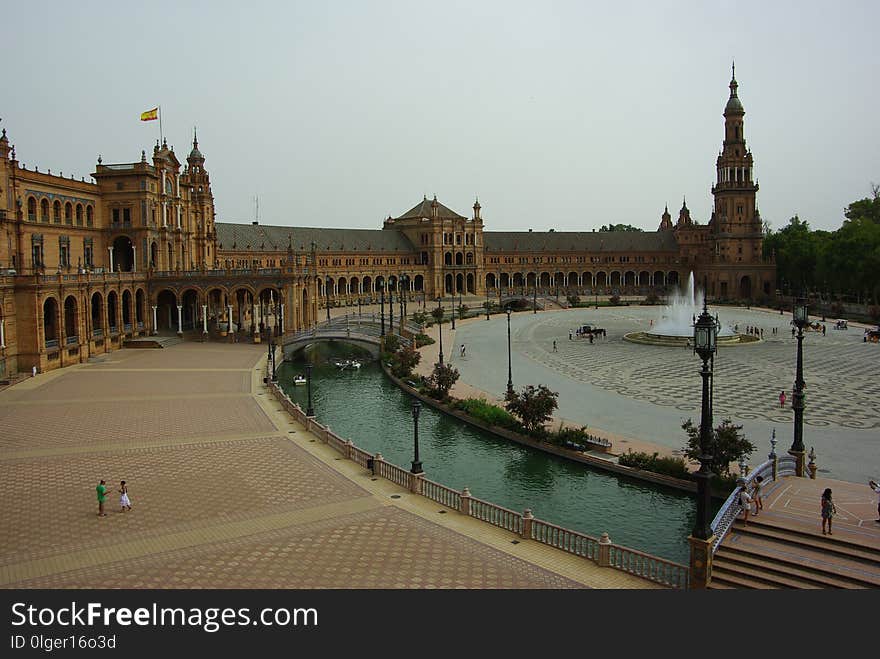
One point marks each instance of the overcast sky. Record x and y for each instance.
(564, 115)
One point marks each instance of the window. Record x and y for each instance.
(115, 216)
(88, 253)
(79, 215)
(32, 209)
(126, 217)
(68, 213)
(90, 216)
(64, 251)
(57, 209)
(44, 210)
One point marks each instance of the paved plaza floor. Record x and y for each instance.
(227, 492)
(645, 393)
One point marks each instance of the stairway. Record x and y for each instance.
(768, 556)
(157, 341)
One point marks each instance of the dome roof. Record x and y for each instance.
(733, 104)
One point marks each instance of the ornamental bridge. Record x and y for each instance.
(365, 331)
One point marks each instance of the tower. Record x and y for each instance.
(202, 207)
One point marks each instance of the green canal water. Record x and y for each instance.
(367, 408)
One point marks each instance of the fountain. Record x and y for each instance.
(676, 324)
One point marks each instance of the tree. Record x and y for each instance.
(462, 311)
(441, 381)
(437, 314)
(533, 406)
(404, 361)
(726, 444)
(391, 342)
(619, 227)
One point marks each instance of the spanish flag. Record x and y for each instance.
(150, 115)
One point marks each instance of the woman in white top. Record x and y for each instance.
(124, 501)
(745, 500)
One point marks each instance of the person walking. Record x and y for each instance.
(745, 500)
(101, 491)
(782, 398)
(828, 510)
(874, 486)
(124, 501)
(554, 345)
(759, 494)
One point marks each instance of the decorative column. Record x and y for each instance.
(230, 317)
(134, 259)
(281, 319)
(2, 334)
(179, 319)
(155, 322)
(256, 327)
(205, 319)
(110, 250)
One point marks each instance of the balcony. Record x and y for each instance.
(98, 332)
(71, 340)
(51, 343)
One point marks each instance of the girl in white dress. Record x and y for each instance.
(124, 501)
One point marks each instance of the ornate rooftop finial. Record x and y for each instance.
(733, 70)
(143, 156)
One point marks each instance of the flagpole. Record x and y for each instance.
(161, 134)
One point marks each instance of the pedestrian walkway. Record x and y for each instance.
(227, 492)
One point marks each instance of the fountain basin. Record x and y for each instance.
(682, 341)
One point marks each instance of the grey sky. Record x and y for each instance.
(567, 115)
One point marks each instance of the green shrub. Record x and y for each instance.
(391, 342)
(423, 340)
(669, 466)
(481, 409)
(651, 298)
(614, 300)
(573, 299)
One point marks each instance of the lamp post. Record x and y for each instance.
(404, 285)
(535, 297)
(452, 309)
(390, 310)
(382, 308)
(327, 296)
(705, 334)
(416, 463)
(509, 368)
(797, 447)
(487, 301)
(440, 328)
(310, 411)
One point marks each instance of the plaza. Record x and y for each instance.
(644, 393)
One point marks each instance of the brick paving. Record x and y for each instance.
(227, 491)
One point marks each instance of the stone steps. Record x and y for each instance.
(152, 342)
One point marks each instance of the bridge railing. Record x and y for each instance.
(731, 508)
(601, 551)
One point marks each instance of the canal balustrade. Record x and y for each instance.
(601, 551)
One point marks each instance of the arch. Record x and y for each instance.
(459, 283)
(448, 283)
(419, 283)
(459, 258)
(545, 280)
(447, 258)
(424, 259)
(126, 310)
(113, 311)
(531, 278)
(518, 279)
(573, 279)
(342, 286)
(601, 278)
(644, 278)
(97, 313)
(491, 280)
(659, 278)
(68, 213)
(79, 215)
(90, 215)
(71, 320)
(50, 322)
(166, 310)
(154, 255)
(123, 254)
(56, 212)
(44, 210)
(139, 307)
(368, 284)
(190, 312)
(380, 283)
(672, 278)
(629, 278)
(469, 283)
(354, 285)
(559, 279)
(392, 283)
(745, 287)
(469, 258)
(32, 209)
(615, 278)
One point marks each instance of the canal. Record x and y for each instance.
(367, 408)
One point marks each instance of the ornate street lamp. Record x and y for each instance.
(801, 319)
(390, 310)
(535, 296)
(359, 307)
(705, 336)
(310, 411)
(327, 296)
(274, 365)
(452, 309)
(440, 328)
(487, 301)
(405, 280)
(382, 308)
(509, 368)
(416, 463)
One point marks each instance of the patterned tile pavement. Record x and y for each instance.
(227, 492)
(383, 548)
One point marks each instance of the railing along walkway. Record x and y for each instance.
(599, 550)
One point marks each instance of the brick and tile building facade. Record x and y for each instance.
(137, 250)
